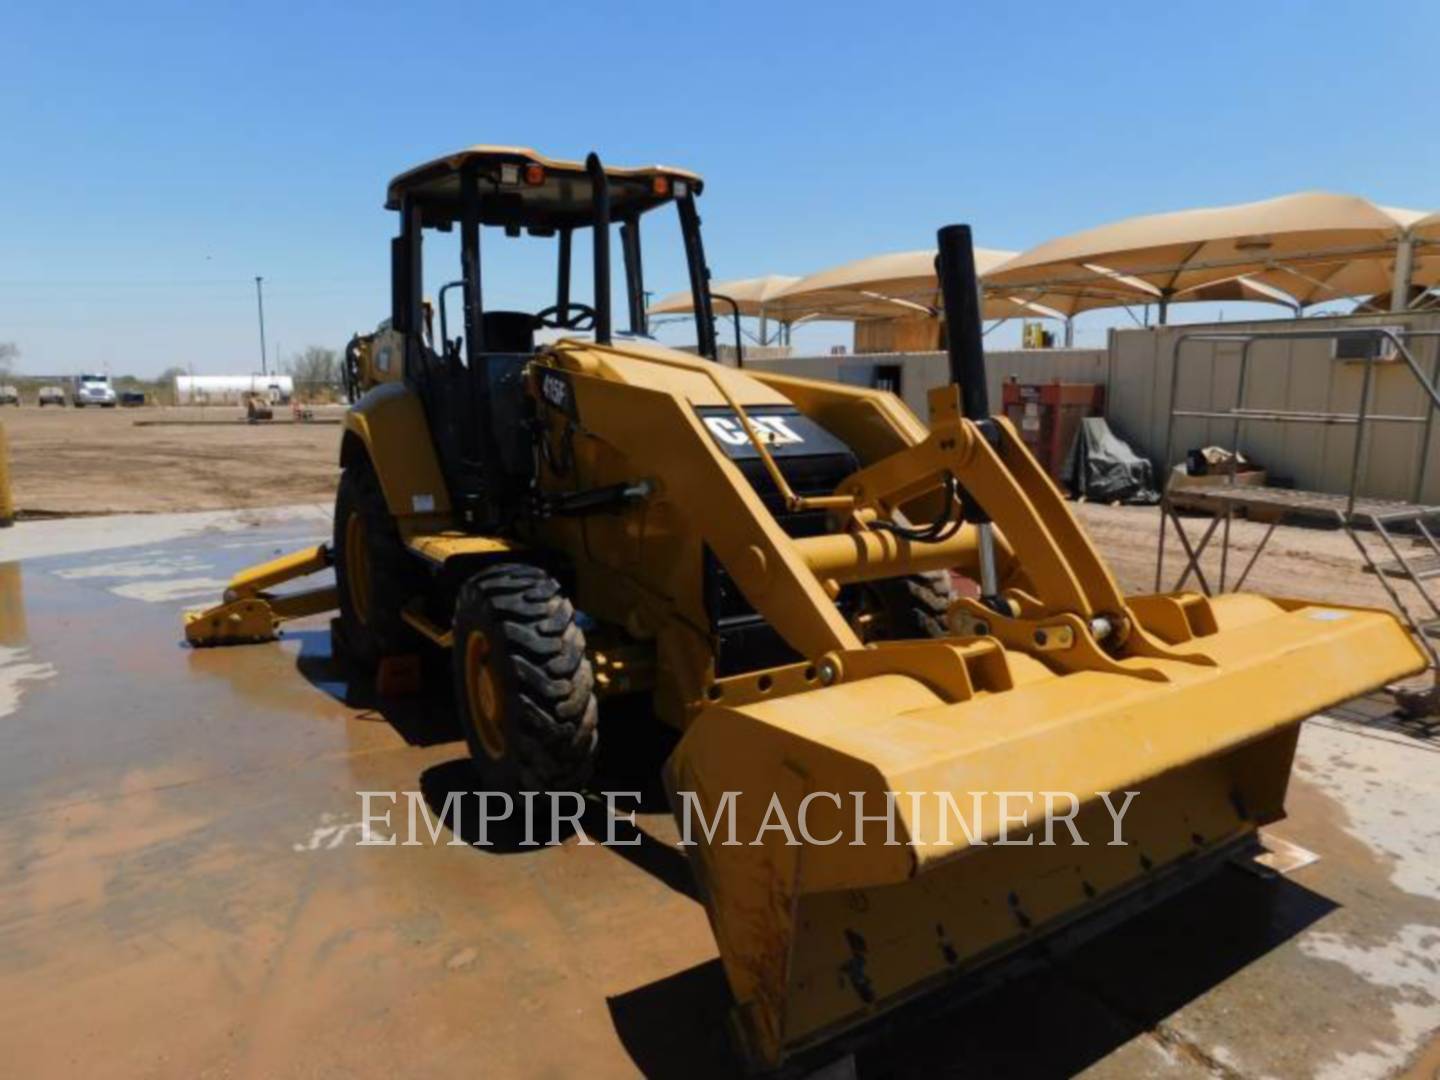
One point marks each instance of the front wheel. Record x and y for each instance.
(524, 688)
(904, 608)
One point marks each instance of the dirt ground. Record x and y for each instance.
(89, 461)
(184, 891)
(1307, 562)
(181, 893)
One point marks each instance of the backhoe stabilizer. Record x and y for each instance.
(975, 746)
(250, 612)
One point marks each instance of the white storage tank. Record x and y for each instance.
(232, 389)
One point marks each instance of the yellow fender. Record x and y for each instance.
(388, 427)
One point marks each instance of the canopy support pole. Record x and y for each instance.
(1404, 264)
(1070, 332)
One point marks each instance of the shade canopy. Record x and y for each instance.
(1240, 287)
(752, 295)
(1294, 250)
(899, 284)
(1303, 244)
(1342, 278)
(1105, 289)
(1420, 299)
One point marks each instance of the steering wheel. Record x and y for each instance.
(567, 317)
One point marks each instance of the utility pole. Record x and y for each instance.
(260, 305)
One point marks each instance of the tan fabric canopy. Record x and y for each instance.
(1274, 242)
(896, 285)
(1105, 289)
(1341, 278)
(899, 275)
(753, 295)
(1422, 226)
(1240, 287)
(1318, 279)
(1117, 290)
(1294, 250)
(1420, 299)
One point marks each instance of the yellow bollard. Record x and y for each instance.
(7, 504)
(12, 606)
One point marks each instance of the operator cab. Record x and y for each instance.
(470, 378)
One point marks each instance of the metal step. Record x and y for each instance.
(1422, 567)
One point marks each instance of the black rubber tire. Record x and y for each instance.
(907, 608)
(535, 651)
(394, 576)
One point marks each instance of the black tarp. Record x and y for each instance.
(1101, 467)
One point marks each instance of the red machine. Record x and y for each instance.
(1048, 416)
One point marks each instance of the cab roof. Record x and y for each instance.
(520, 188)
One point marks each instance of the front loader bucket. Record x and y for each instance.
(820, 935)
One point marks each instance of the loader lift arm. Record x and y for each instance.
(1054, 683)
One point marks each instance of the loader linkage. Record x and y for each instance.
(603, 516)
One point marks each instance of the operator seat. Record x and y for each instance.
(510, 332)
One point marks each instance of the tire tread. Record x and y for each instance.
(554, 735)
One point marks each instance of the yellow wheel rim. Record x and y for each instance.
(357, 566)
(483, 694)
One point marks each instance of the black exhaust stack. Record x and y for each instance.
(600, 207)
(960, 292)
(735, 311)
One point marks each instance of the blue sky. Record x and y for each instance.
(160, 156)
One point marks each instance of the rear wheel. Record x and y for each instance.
(523, 685)
(904, 608)
(375, 575)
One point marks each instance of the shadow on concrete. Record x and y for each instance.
(454, 793)
(1058, 1018)
(451, 785)
(633, 747)
(426, 719)
(633, 742)
(678, 1026)
(1112, 989)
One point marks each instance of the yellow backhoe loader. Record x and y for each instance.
(768, 559)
